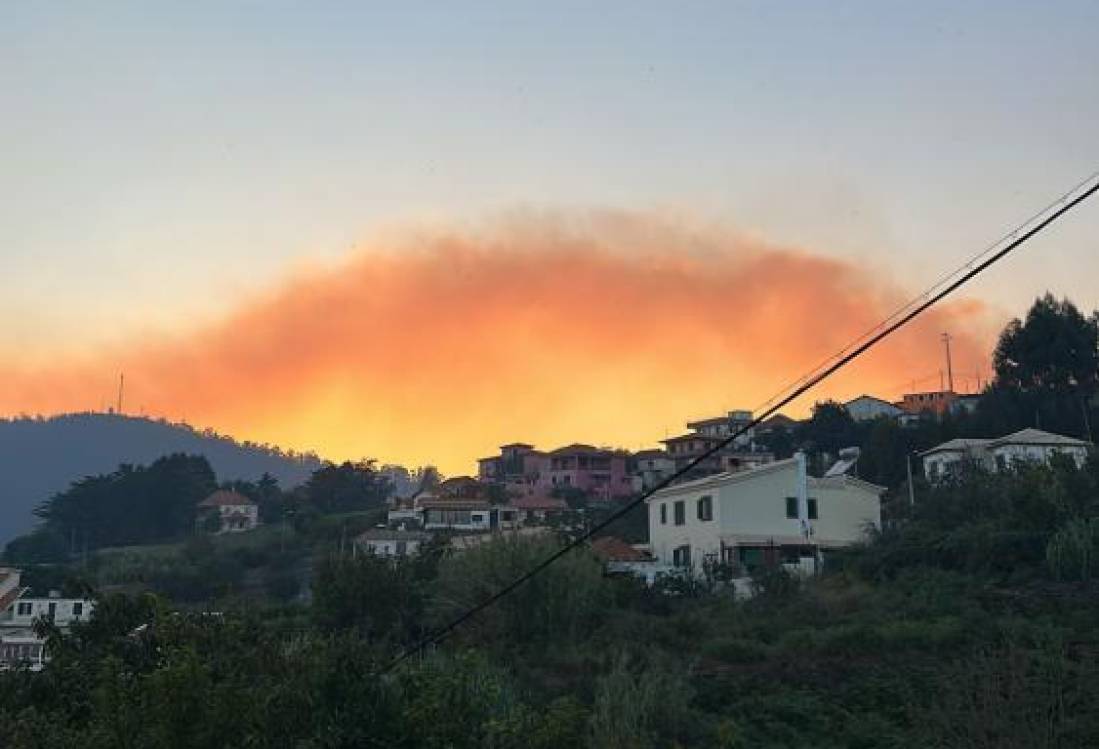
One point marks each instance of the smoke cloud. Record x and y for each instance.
(436, 346)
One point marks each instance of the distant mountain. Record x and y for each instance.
(40, 456)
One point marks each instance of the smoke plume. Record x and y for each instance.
(609, 328)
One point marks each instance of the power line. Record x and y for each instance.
(814, 378)
(939, 282)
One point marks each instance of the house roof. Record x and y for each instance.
(523, 445)
(718, 480)
(722, 479)
(612, 549)
(778, 420)
(225, 498)
(647, 454)
(577, 448)
(876, 399)
(539, 503)
(392, 534)
(1036, 437)
(957, 445)
(691, 436)
(454, 503)
(708, 422)
(459, 481)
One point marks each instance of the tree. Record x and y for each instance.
(1055, 349)
(830, 429)
(132, 505)
(347, 486)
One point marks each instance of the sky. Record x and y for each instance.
(415, 231)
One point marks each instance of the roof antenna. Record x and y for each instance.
(121, 386)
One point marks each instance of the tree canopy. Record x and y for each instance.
(1054, 348)
(131, 505)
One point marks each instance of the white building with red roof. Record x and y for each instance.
(235, 511)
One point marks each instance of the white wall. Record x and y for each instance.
(250, 513)
(388, 547)
(865, 409)
(1008, 454)
(24, 611)
(750, 507)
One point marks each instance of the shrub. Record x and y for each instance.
(1073, 551)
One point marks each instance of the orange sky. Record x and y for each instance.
(437, 346)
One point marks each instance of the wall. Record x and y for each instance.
(39, 607)
(751, 507)
(388, 547)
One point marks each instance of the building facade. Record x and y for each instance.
(1002, 453)
(774, 514)
(392, 542)
(598, 471)
(235, 512)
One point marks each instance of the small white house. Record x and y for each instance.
(1024, 446)
(768, 515)
(236, 512)
(868, 408)
(390, 542)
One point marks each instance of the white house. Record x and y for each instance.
(236, 512)
(772, 514)
(1024, 446)
(19, 644)
(390, 542)
(23, 611)
(868, 408)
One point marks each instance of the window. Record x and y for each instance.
(812, 508)
(78, 608)
(681, 556)
(706, 508)
(663, 514)
(25, 609)
(402, 548)
(680, 512)
(792, 507)
(53, 610)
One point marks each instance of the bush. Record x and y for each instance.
(1073, 551)
(564, 602)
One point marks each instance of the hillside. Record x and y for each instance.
(41, 456)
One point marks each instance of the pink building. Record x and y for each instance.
(519, 467)
(601, 472)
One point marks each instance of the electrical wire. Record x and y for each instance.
(1017, 237)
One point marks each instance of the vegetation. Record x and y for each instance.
(967, 621)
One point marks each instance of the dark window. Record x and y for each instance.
(812, 509)
(680, 513)
(706, 508)
(792, 507)
(681, 556)
(78, 608)
(52, 611)
(663, 514)
(24, 609)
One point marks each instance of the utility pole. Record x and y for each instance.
(121, 385)
(949, 364)
(911, 488)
